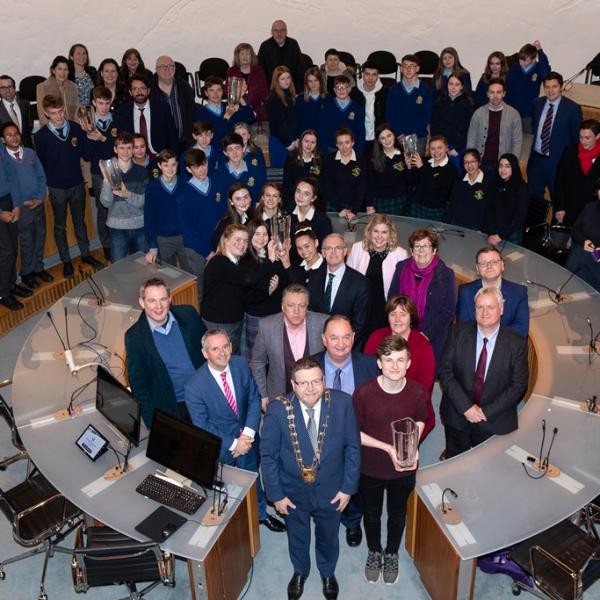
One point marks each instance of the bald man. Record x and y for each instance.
(177, 93)
(280, 49)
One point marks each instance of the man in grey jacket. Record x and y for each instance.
(283, 339)
(495, 128)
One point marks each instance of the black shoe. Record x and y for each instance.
(19, 290)
(353, 536)
(90, 260)
(44, 276)
(13, 304)
(331, 588)
(30, 281)
(273, 524)
(68, 271)
(295, 587)
(106, 253)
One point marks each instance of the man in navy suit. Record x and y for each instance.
(222, 398)
(490, 266)
(310, 455)
(483, 373)
(345, 370)
(148, 117)
(337, 289)
(556, 122)
(14, 110)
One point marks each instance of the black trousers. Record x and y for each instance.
(461, 440)
(8, 255)
(398, 490)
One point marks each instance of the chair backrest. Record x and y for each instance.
(210, 66)
(308, 61)
(28, 85)
(7, 414)
(183, 73)
(386, 62)
(537, 213)
(428, 61)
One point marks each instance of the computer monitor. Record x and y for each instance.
(118, 405)
(184, 448)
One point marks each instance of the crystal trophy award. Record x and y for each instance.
(234, 90)
(409, 144)
(112, 173)
(280, 230)
(405, 434)
(87, 118)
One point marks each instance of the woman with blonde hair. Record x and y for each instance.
(245, 65)
(376, 257)
(282, 116)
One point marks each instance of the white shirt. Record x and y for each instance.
(338, 156)
(315, 266)
(17, 110)
(335, 284)
(136, 122)
(317, 415)
(309, 215)
(217, 375)
(478, 179)
(369, 108)
(491, 343)
(442, 163)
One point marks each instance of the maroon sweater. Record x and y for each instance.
(375, 411)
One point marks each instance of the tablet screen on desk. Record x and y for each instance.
(92, 442)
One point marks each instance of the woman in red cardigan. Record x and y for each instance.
(245, 65)
(402, 318)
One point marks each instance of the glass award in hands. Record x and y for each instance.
(234, 90)
(409, 145)
(405, 434)
(280, 231)
(112, 173)
(87, 118)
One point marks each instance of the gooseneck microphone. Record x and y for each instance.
(454, 495)
(555, 295)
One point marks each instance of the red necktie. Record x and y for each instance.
(18, 155)
(143, 125)
(229, 394)
(480, 373)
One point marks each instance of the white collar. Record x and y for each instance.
(315, 266)
(478, 179)
(309, 215)
(442, 164)
(338, 156)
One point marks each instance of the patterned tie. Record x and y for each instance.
(229, 394)
(337, 380)
(480, 373)
(143, 124)
(103, 123)
(61, 133)
(546, 130)
(328, 291)
(312, 428)
(13, 114)
(18, 155)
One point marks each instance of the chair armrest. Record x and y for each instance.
(575, 577)
(5, 382)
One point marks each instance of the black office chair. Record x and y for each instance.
(7, 414)
(182, 72)
(308, 62)
(210, 66)
(27, 91)
(40, 516)
(428, 62)
(350, 62)
(563, 561)
(110, 558)
(386, 63)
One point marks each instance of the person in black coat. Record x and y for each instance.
(9, 96)
(281, 113)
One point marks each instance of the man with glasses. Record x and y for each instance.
(148, 117)
(178, 95)
(310, 456)
(409, 104)
(489, 264)
(15, 110)
(336, 289)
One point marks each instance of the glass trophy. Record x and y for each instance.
(87, 118)
(234, 90)
(280, 230)
(405, 434)
(409, 144)
(112, 173)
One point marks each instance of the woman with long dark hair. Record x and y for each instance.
(58, 84)
(496, 67)
(82, 73)
(239, 211)
(304, 161)
(108, 76)
(282, 116)
(309, 103)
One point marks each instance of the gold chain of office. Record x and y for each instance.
(308, 474)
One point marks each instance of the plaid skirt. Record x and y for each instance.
(418, 211)
(249, 337)
(391, 206)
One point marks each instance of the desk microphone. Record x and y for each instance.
(542, 465)
(555, 295)
(450, 230)
(593, 345)
(96, 289)
(449, 514)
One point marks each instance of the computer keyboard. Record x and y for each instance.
(170, 494)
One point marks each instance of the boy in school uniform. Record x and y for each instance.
(203, 133)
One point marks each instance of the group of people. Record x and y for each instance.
(353, 343)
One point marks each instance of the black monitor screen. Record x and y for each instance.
(118, 405)
(184, 448)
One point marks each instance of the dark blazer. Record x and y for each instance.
(504, 386)
(565, 127)
(208, 406)
(26, 139)
(364, 367)
(351, 299)
(516, 307)
(163, 133)
(148, 376)
(339, 467)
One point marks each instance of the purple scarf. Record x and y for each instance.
(414, 282)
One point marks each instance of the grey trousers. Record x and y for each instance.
(194, 263)
(32, 237)
(101, 211)
(73, 199)
(171, 250)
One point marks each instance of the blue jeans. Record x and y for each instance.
(124, 242)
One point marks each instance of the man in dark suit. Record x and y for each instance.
(344, 370)
(149, 117)
(483, 374)
(556, 122)
(282, 339)
(222, 398)
(310, 455)
(15, 110)
(490, 266)
(336, 289)
(163, 351)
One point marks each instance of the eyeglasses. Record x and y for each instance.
(7, 87)
(489, 263)
(309, 383)
(334, 249)
(422, 246)
(341, 86)
(165, 66)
